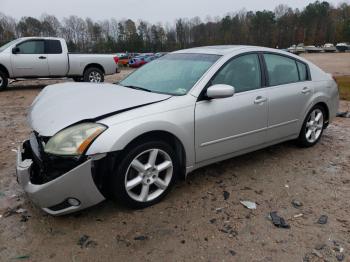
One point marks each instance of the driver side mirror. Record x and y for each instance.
(220, 91)
(15, 50)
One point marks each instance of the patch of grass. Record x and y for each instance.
(344, 87)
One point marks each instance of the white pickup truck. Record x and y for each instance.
(48, 57)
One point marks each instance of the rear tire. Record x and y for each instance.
(93, 75)
(78, 79)
(313, 126)
(155, 177)
(3, 81)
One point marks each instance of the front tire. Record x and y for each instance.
(145, 174)
(313, 127)
(93, 75)
(3, 81)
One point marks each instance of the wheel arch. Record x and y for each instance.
(94, 65)
(165, 136)
(326, 110)
(4, 70)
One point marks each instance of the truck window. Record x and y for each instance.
(53, 47)
(31, 47)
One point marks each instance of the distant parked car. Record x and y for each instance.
(329, 48)
(48, 57)
(343, 47)
(141, 60)
(160, 54)
(130, 141)
(124, 59)
(297, 49)
(313, 49)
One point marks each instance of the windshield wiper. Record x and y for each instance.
(138, 88)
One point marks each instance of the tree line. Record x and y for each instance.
(316, 24)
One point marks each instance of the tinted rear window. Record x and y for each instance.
(281, 70)
(53, 47)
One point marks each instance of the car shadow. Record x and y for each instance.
(216, 171)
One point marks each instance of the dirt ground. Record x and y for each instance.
(202, 219)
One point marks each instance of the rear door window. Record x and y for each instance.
(31, 47)
(53, 47)
(281, 70)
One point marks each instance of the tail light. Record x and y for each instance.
(116, 59)
(335, 79)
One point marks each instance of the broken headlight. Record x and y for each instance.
(74, 140)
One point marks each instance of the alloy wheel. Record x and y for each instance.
(95, 77)
(1, 80)
(148, 175)
(314, 126)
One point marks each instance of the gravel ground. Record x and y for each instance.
(202, 219)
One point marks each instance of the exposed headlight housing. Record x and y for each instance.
(74, 140)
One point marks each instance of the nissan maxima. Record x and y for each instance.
(131, 140)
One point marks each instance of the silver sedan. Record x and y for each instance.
(131, 140)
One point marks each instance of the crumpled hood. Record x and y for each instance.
(62, 105)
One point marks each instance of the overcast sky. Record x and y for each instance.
(149, 10)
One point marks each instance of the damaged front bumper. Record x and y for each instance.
(69, 192)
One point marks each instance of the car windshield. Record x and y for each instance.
(173, 74)
(2, 48)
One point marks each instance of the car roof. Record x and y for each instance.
(215, 50)
(41, 37)
(224, 50)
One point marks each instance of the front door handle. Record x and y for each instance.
(306, 90)
(260, 100)
(42, 57)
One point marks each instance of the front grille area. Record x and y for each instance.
(47, 167)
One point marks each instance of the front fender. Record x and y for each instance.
(177, 122)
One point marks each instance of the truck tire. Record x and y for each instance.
(3, 81)
(93, 75)
(77, 79)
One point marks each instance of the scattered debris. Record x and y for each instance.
(141, 238)
(232, 252)
(229, 230)
(323, 220)
(340, 257)
(278, 221)
(226, 195)
(316, 253)
(83, 240)
(91, 243)
(9, 212)
(297, 204)
(21, 210)
(212, 221)
(320, 246)
(218, 210)
(298, 215)
(22, 257)
(249, 204)
(345, 114)
(24, 218)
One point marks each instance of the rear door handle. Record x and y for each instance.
(260, 100)
(42, 57)
(306, 90)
